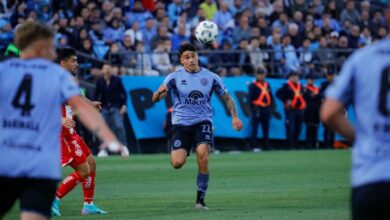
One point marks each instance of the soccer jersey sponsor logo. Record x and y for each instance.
(195, 98)
(183, 82)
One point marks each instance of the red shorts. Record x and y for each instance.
(74, 151)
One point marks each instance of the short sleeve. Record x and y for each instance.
(342, 87)
(68, 86)
(218, 86)
(169, 81)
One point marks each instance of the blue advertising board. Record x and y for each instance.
(147, 118)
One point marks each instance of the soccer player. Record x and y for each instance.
(32, 90)
(364, 83)
(192, 87)
(75, 152)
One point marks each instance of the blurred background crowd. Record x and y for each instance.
(142, 37)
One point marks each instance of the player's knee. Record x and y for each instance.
(177, 164)
(84, 173)
(203, 159)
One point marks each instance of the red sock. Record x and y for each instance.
(89, 187)
(68, 184)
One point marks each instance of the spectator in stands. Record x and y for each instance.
(237, 7)
(382, 32)
(96, 33)
(148, 32)
(324, 55)
(346, 29)
(210, 8)
(199, 17)
(6, 34)
(364, 19)
(182, 21)
(354, 37)
(137, 14)
(334, 40)
(243, 58)
(160, 59)
(178, 38)
(278, 9)
(290, 55)
(291, 94)
(134, 32)
(299, 5)
(255, 53)
(281, 23)
(350, 13)
(296, 38)
(377, 22)
(113, 55)
(306, 57)
(243, 31)
(114, 32)
(298, 20)
(222, 16)
(264, 29)
(174, 10)
(110, 92)
(19, 15)
(343, 54)
(144, 63)
(162, 35)
(264, 7)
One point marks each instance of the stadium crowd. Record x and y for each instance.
(141, 37)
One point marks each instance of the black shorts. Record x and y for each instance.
(187, 137)
(36, 195)
(371, 201)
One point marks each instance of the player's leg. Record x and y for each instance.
(180, 145)
(36, 198)
(202, 180)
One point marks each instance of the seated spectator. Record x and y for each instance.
(293, 32)
(243, 31)
(299, 5)
(354, 37)
(291, 60)
(114, 32)
(377, 22)
(298, 20)
(174, 10)
(179, 38)
(96, 33)
(162, 34)
(243, 58)
(350, 13)
(256, 55)
(364, 19)
(210, 8)
(382, 33)
(324, 55)
(281, 23)
(263, 25)
(182, 21)
(144, 65)
(222, 16)
(306, 57)
(264, 7)
(344, 53)
(134, 32)
(113, 55)
(138, 14)
(334, 40)
(148, 32)
(127, 51)
(237, 7)
(160, 59)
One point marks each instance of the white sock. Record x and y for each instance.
(88, 203)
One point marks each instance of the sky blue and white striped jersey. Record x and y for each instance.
(364, 82)
(192, 93)
(31, 94)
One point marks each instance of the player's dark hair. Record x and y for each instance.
(29, 32)
(64, 53)
(186, 47)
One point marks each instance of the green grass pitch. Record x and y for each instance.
(270, 185)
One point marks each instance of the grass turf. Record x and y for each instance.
(270, 185)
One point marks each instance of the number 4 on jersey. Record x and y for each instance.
(24, 90)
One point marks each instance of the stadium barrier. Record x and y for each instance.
(147, 118)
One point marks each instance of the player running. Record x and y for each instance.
(364, 83)
(75, 152)
(192, 87)
(32, 90)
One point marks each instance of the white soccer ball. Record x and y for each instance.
(206, 32)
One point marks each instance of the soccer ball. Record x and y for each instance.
(206, 32)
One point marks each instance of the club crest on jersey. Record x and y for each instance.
(204, 82)
(195, 98)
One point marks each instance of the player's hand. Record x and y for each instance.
(67, 122)
(237, 124)
(123, 110)
(124, 152)
(97, 105)
(162, 90)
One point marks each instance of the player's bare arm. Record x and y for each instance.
(160, 93)
(231, 106)
(333, 115)
(91, 118)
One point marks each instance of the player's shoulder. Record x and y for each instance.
(209, 73)
(371, 52)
